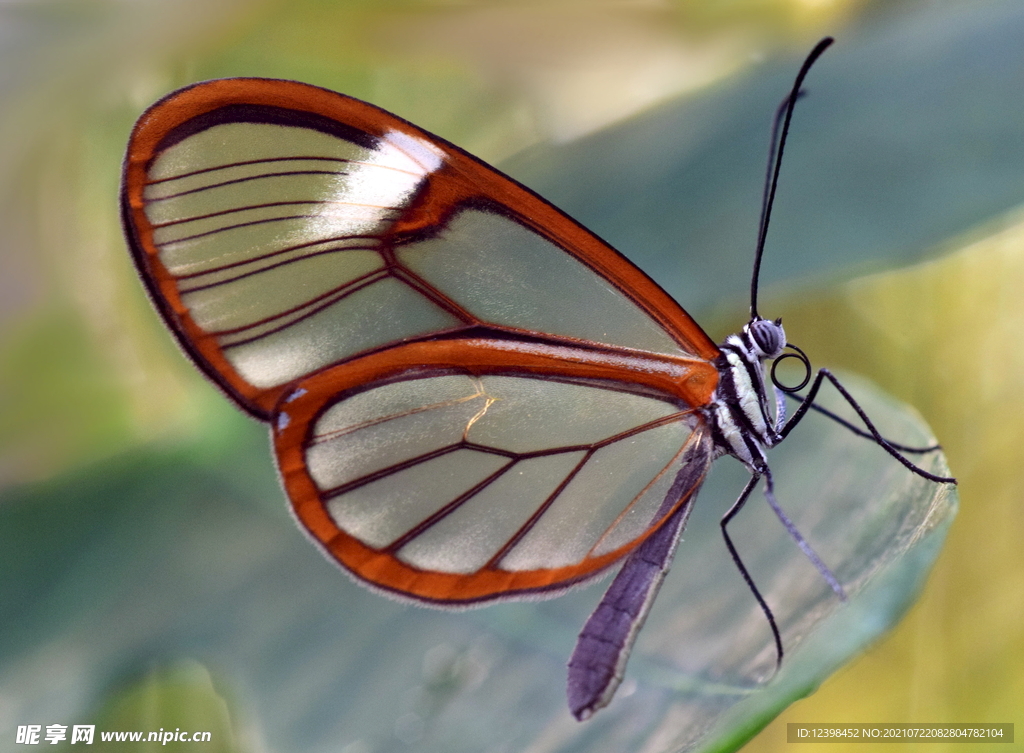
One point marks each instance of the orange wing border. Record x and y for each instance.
(688, 381)
(461, 181)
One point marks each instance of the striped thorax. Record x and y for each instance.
(741, 421)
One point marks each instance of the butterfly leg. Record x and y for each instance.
(894, 450)
(794, 533)
(791, 529)
(734, 553)
(861, 433)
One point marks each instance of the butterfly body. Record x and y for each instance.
(739, 423)
(471, 397)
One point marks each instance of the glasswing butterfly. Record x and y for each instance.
(472, 398)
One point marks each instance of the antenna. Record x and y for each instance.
(775, 149)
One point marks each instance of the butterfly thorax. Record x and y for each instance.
(741, 420)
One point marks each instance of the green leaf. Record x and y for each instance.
(175, 553)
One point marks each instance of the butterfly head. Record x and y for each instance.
(767, 337)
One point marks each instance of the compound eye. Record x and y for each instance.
(768, 337)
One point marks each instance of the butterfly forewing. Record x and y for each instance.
(283, 229)
(462, 484)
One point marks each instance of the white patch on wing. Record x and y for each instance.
(382, 183)
(410, 153)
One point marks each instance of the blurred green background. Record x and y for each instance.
(897, 252)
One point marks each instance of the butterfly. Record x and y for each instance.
(471, 397)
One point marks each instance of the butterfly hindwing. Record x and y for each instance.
(480, 475)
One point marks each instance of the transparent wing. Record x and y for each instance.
(478, 482)
(282, 229)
